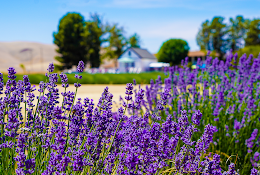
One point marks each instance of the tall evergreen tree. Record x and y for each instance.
(93, 31)
(92, 36)
(237, 32)
(70, 41)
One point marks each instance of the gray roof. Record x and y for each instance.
(143, 53)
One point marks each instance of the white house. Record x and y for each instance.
(136, 60)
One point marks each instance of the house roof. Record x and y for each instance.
(196, 54)
(199, 54)
(143, 53)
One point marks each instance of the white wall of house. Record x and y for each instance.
(137, 65)
(122, 67)
(141, 64)
(146, 62)
(130, 54)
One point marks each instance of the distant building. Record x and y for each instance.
(194, 55)
(136, 60)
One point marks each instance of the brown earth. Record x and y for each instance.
(34, 56)
(92, 92)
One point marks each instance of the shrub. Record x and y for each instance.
(173, 51)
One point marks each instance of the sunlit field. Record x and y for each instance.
(200, 121)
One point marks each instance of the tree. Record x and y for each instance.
(92, 34)
(253, 34)
(254, 50)
(116, 42)
(173, 51)
(212, 36)
(203, 36)
(237, 32)
(93, 31)
(70, 41)
(218, 33)
(134, 41)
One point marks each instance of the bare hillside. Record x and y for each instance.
(35, 56)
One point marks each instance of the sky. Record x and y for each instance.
(155, 21)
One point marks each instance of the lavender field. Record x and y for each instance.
(201, 121)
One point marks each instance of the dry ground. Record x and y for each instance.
(92, 92)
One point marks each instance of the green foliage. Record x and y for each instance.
(142, 78)
(173, 51)
(203, 35)
(213, 53)
(253, 34)
(116, 42)
(92, 34)
(81, 40)
(212, 35)
(255, 50)
(220, 37)
(57, 68)
(70, 41)
(134, 41)
(237, 32)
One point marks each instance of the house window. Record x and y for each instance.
(129, 53)
(133, 64)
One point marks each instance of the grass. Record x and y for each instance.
(142, 78)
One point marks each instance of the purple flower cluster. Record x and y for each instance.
(150, 134)
(226, 94)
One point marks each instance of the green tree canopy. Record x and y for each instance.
(213, 36)
(255, 50)
(237, 32)
(93, 31)
(92, 36)
(218, 32)
(70, 41)
(116, 40)
(134, 40)
(203, 36)
(173, 51)
(217, 36)
(253, 34)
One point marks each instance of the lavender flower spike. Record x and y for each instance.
(81, 66)
(51, 67)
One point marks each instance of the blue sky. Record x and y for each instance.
(154, 20)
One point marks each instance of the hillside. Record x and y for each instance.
(35, 56)
(35, 60)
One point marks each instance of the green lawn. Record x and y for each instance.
(141, 78)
